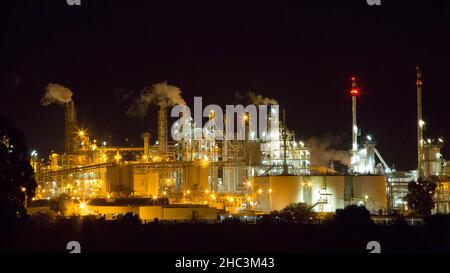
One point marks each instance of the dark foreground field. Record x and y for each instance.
(100, 236)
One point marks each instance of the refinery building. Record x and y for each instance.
(209, 177)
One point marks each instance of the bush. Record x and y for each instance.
(353, 216)
(130, 219)
(399, 220)
(41, 220)
(295, 213)
(231, 220)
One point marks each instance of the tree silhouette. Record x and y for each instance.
(16, 175)
(420, 197)
(297, 213)
(353, 215)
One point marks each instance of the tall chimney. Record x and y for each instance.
(420, 123)
(354, 92)
(162, 128)
(70, 128)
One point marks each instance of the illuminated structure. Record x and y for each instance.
(354, 92)
(429, 158)
(197, 169)
(363, 160)
(430, 165)
(420, 122)
(255, 173)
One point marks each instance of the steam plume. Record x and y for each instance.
(260, 100)
(56, 93)
(321, 153)
(158, 94)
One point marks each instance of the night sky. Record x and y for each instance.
(303, 54)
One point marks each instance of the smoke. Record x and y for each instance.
(122, 95)
(260, 100)
(158, 94)
(321, 152)
(256, 98)
(56, 93)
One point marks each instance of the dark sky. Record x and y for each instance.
(301, 53)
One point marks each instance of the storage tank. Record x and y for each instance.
(145, 183)
(119, 179)
(277, 191)
(370, 190)
(233, 178)
(432, 164)
(197, 176)
(327, 192)
(324, 193)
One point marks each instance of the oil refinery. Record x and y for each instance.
(206, 178)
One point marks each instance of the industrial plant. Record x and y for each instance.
(212, 174)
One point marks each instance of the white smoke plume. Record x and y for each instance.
(261, 100)
(158, 94)
(321, 153)
(56, 93)
(255, 98)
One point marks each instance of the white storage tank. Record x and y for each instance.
(370, 191)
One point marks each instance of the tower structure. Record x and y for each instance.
(420, 123)
(354, 92)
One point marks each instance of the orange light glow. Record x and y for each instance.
(354, 92)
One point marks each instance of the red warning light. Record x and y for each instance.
(354, 91)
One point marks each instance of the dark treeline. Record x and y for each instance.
(38, 235)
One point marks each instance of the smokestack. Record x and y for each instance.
(70, 128)
(56, 93)
(162, 128)
(420, 122)
(146, 137)
(285, 166)
(354, 92)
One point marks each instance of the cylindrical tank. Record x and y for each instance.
(54, 161)
(197, 177)
(371, 191)
(327, 192)
(432, 160)
(277, 191)
(324, 193)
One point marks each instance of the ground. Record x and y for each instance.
(99, 236)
